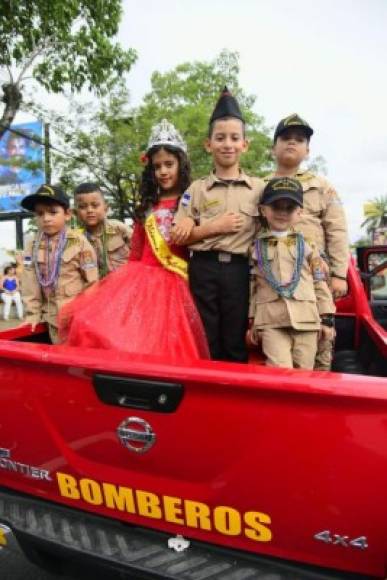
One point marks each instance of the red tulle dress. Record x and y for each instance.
(140, 308)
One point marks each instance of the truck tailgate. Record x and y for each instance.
(284, 463)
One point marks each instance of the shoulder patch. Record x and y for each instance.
(88, 261)
(185, 198)
(73, 241)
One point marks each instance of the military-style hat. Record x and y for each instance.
(227, 106)
(44, 194)
(282, 188)
(290, 122)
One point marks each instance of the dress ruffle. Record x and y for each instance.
(140, 308)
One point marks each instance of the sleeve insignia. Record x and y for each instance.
(185, 198)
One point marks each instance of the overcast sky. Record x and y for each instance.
(324, 59)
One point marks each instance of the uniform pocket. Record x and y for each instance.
(249, 208)
(73, 288)
(70, 253)
(212, 206)
(115, 244)
(313, 201)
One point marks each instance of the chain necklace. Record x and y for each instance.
(48, 279)
(287, 289)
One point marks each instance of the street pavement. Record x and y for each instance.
(14, 566)
(13, 320)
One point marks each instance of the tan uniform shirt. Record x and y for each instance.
(210, 197)
(117, 240)
(311, 297)
(78, 270)
(323, 220)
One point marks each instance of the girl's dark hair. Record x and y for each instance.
(8, 268)
(149, 190)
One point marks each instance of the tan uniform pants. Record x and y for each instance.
(289, 348)
(323, 360)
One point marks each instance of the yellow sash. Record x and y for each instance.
(162, 251)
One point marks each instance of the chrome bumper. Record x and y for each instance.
(8, 540)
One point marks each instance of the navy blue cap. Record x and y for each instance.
(44, 194)
(293, 121)
(283, 188)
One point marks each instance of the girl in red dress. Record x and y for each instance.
(145, 306)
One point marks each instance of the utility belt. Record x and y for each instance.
(216, 256)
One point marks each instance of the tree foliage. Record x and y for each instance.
(106, 144)
(187, 95)
(376, 214)
(63, 44)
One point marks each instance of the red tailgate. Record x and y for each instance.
(263, 460)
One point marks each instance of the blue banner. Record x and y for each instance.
(21, 164)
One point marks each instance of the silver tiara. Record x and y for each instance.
(165, 133)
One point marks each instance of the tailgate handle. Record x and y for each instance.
(163, 397)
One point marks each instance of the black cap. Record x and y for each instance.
(44, 194)
(293, 121)
(282, 188)
(227, 106)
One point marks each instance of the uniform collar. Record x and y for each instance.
(212, 180)
(301, 175)
(267, 234)
(108, 228)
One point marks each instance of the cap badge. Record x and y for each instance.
(47, 190)
(294, 120)
(285, 184)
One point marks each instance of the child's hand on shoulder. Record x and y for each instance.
(181, 231)
(229, 223)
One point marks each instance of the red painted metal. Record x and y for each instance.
(309, 449)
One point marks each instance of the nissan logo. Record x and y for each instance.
(136, 434)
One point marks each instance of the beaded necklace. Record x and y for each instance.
(285, 290)
(49, 278)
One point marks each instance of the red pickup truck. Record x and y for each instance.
(210, 471)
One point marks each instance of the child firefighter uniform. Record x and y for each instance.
(223, 208)
(290, 299)
(58, 262)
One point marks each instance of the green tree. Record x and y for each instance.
(376, 215)
(62, 44)
(317, 164)
(97, 143)
(106, 144)
(187, 95)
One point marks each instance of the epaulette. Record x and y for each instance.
(305, 176)
(73, 238)
(75, 233)
(111, 228)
